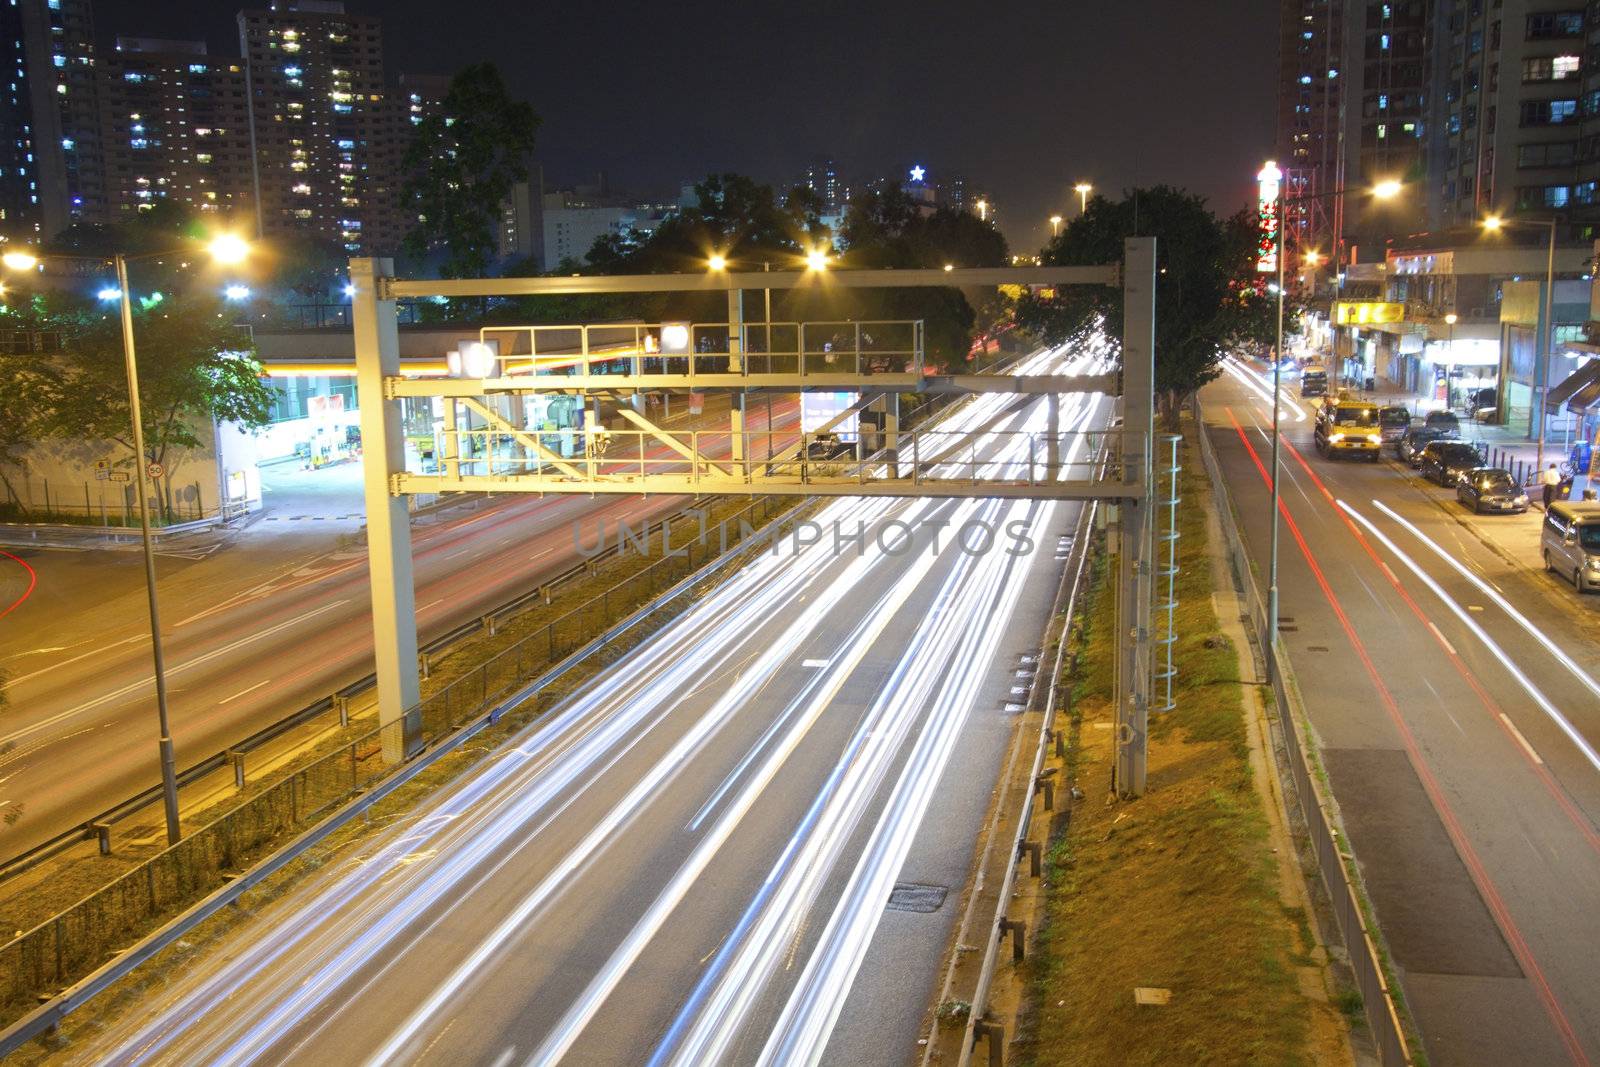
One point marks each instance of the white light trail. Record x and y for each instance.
(1511, 668)
(1259, 385)
(1583, 677)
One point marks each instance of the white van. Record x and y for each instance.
(1570, 543)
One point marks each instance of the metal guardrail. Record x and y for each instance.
(142, 883)
(1334, 864)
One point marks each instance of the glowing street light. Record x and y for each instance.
(237, 292)
(1055, 225)
(1311, 258)
(1493, 223)
(983, 209)
(817, 259)
(948, 267)
(1083, 189)
(229, 249)
(1387, 190)
(717, 262)
(1452, 318)
(109, 293)
(19, 261)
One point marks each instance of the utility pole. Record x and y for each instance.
(1136, 525)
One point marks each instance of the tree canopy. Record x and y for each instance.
(1208, 297)
(462, 165)
(194, 366)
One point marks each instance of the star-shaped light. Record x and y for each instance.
(917, 173)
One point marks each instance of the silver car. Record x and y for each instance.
(1570, 543)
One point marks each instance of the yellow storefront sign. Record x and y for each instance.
(1367, 314)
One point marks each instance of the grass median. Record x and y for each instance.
(1177, 892)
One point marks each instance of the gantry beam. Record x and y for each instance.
(718, 281)
(401, 386)
(769, 485)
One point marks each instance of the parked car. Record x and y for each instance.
(1393, 422)
(1569, 541)
(1408, 447)
(1313, 382)
(1445, 461)
(1443, 422)
(1491, 489)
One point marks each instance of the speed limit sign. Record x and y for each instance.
(154, 470)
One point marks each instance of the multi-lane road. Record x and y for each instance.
(688, 862)
(252, 633)
(1456, 697)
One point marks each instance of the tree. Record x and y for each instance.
(29, 391)
(887, 229)
(193, 367)
(462, 165)
(1208, 297)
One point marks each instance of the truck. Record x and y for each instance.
(1347, 427)
(1313, 382)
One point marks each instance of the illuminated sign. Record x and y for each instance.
(1348, 314)
(1271, 227)
(917, 173)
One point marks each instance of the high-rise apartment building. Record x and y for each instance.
(822, 178)
(1520, 113)
(175, 125)
(320, 117)
(22, 140)
(1353, 102)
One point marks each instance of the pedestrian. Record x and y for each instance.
(1551, 479)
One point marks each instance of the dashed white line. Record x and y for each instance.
(1523, 741)
(1448, 647)
(814, 663)
(242, 692)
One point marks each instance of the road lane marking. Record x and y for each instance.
(1523, 741)
(431, 603)
(96, 651)
(131, 687)
(242, 692)
(1448, 647)
(814, 663)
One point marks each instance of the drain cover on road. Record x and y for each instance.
(912, 896)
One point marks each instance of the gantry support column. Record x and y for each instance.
(1134, 585)
(736, 366)
(394, 609)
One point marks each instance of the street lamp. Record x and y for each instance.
(817, 259)
(983, 209)
(1055, 225)
(1384, 190)
(1494, 224)
(717, 262)
(1083, 189)
(227, 250)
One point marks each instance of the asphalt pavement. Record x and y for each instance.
(1455, 693)
(744, 843)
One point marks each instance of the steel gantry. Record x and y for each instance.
(491, 442)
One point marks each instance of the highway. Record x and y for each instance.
(688, 862)
(1456, 700)
(252, 633)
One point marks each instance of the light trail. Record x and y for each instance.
(1583, 677)
(1478, 631)
(1258, 385)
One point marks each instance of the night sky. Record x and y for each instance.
(1023, 99)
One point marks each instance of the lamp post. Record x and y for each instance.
(1083, 189)
(1494, 224)
(1055, 225)
(1382, 191)
(226, 250)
